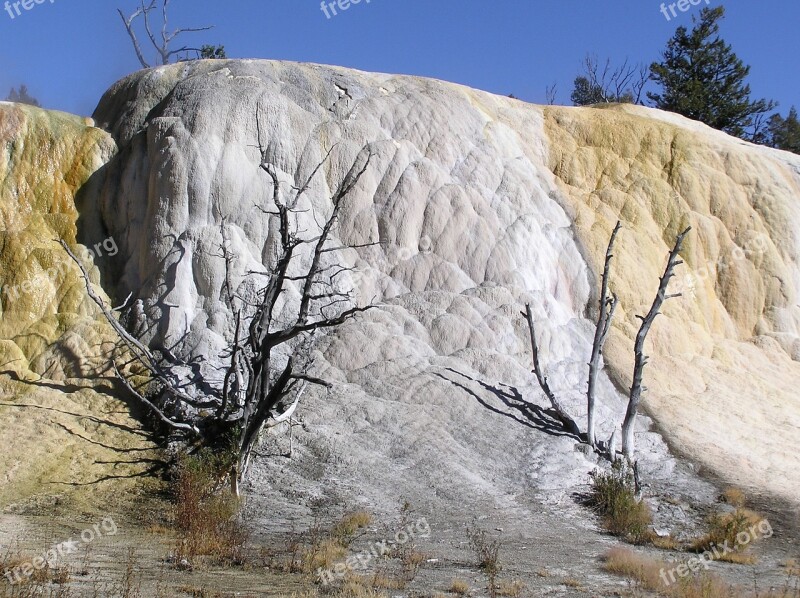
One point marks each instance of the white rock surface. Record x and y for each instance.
(481, 205)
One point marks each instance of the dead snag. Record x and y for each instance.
(561, 413)
(607, 307)
(640, 359)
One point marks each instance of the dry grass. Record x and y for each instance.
(317, 548)
(646, 572)
(356, 586)
(613, 497)
(324, 554)
(459, 586)
(734, 497)
(792, 567)
(486, 553)
(57, 582)
(205, 512)
(514, 589)
(29, 581)
(627, 563)
(739, 558)
(664, 542)
(349, 525)
(387, 582)
(724, 529)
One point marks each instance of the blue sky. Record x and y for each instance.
(70, 51)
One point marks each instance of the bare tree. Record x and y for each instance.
(561, 413)
(268, 358)
(161, 42)
(605, 84)
(640, 359)
(606, 313)
(550, 93)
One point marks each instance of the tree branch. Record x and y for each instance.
(568, 423)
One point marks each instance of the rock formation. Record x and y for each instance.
(481, 204)
(52, 344)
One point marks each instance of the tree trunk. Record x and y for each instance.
(640, 359)
(607, 307)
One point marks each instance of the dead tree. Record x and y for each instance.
(606, 84)
(607, 307)
(268, 358)
(263, 392)
(640, 359)
(551, 93)
(162, 45)
(561, 413)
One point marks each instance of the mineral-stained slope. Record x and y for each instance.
(724, 374)
(59, 429)
(481, 203)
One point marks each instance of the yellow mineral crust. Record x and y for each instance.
(724, 375)
(58, 422)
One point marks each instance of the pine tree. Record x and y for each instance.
(702, 79)
(22, 96)
(212, 52)
(585, 93)
(784, 133)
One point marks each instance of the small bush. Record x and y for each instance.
(513, 589)
(734, 497)
(459, 586)
(724, 528)
(318, 548)
(206, 513)
(323, 553)
(613, 497)
(487, 554)
(358, 587)
(647, 572)
(347, 528)
(792, 567)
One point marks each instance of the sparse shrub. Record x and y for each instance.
(323, 553)
(664, 542)
(613, 497)
(734, 497)
(406, 552)
(412, 561)
(346, 529)
(388, 582)
(459, 586)
(646, 572)
(318, 548)
(206, 513)
(486, 552)
(357, 587)
(724, 528)
(792, 567)
(513, 589)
